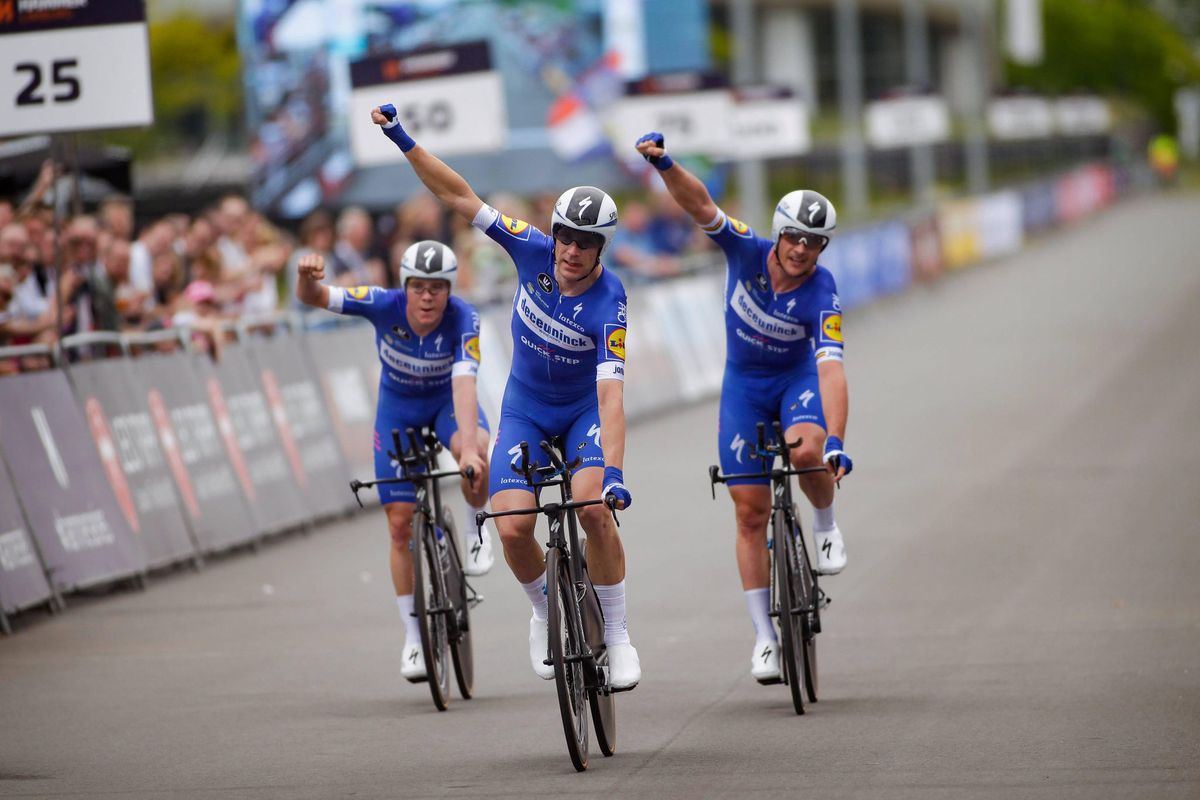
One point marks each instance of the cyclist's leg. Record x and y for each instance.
(446, 427)
(803, 418)
(737, 436)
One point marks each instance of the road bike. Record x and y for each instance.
(575, 619)
(442, 597)
(796, 595)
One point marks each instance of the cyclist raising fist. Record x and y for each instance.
(428, 344)
(783, 332)
(567, 380)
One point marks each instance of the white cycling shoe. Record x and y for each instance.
(479, 558)
(764, 662)
(831, 551)
(412, 663)
(624, 667)
(539, 648)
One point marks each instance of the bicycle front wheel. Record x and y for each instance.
(566, 648)
(430, 604)
(806, 599)
(783, 553)
(461, 651)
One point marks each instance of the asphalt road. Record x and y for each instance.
(1020, 616)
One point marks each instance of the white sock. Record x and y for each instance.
(758, 601)
(535, 590)
(471, 534)
(412, 632)
(823, 519)
(612, 603)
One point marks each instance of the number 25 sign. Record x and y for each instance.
(69, 65)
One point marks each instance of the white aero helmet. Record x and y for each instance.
(587, 209)
(429, 259)
(805, 210)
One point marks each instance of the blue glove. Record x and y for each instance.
(614, 485)
(394, 131)
(661, 163)
(836, 456)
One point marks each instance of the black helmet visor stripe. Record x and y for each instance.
(812, 210)
(584, 208)
(429, 259)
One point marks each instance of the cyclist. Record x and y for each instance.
(567, 380)
(428, 344)
(783, 332)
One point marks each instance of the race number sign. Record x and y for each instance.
(907, 121)
(692, 112)
(450, 97)
(769, 122)
(1020, 117)
(70, 65)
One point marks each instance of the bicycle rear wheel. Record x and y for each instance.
(429, 605)
(601, 700)
(461, 651)
(784, 550)
(566, 645)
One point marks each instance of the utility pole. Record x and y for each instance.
(751, 173)
(916, 68)
(850, 100)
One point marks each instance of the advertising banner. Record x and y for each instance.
(114, 404)
(960, 233)
(209, 488)
(263, 438)
(348, 371)
(1038, 207)
(850, 258)
(649, 366)
(22, 580)
(926, 249)
(299, 411)
(79, 526)
(1000, 230)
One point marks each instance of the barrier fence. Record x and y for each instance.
(155, 455)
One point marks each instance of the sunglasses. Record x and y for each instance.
(795, 236)
(436, 289)
(581, 239)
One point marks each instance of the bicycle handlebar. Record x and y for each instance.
(414, 457)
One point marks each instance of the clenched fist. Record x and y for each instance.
(312, 267)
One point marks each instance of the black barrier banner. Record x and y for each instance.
(75, 518)
(116, 409)
(344, 360)
(22, 580)
(290, 387)
(207, 484)
(272, 460)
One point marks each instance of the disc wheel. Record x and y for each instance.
(789, 629)
(566, 643)
(461, 651)
(429, 605)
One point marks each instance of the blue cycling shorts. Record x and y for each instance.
(525, 417)
(748, 398)
(403, 413)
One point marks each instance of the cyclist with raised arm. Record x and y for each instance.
(428, 344)
(567, 380)
(783, 332)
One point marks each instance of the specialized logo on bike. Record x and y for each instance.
(614, 341)
(831, 327)
(549, 329)
(740, 228)
(545, 282)
(515, 227)
(754, 316)
(362, 294)
(470, 346)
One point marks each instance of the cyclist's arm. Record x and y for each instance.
(466, 407)
(310, 271)
(835, 396)
(687, 190)
(446, 184)
(611, 395)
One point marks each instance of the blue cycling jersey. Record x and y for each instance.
(414, 366)
(767, 330)
(561, 345)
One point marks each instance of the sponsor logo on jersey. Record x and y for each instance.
(740, 228)
(831, 327)
(614, 341)
(403, 334)
(362, 294)
(515, 227)
(545, 282)
(548, 329)
(417, 367)
(760, 280)
(755, 317)
(470, 345)
(621, 313)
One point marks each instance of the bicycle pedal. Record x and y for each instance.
(422, 679)
(769, 681)
(614, 690)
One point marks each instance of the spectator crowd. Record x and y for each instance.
(99, 271)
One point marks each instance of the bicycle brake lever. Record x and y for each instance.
(355, 485)
(611, 501)
(479, 518)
